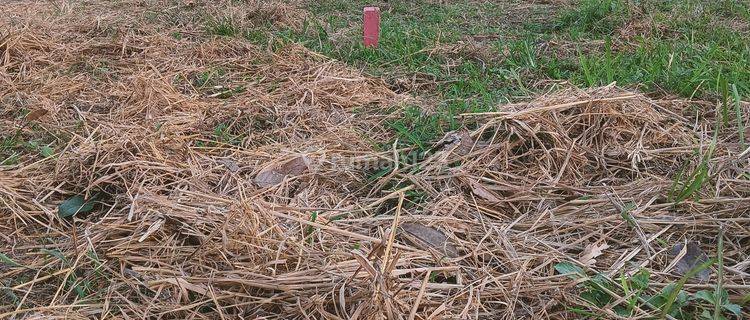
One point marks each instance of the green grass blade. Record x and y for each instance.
(724, 87)
(8, 261)
(701, 174)
(720, 281)
(677, 182)
(696, 182)
(680, 284)
(745, 301)
(57, 254)
(738, 111)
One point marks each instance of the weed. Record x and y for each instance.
(379, 174)
(434, 276)
(225, 94)
(5, 287)
(417, 128)
(221, 27)
(602, 292)
(100, 70)
(77, 204)
(713, 305)
(45, 151)
(406, 48)
(10, 159)
(256, 36)
(223, 134)
(4, 259)
(692, 59)
(151, 16)
(98, 264)
(209, 77)
(600, 17)
(672, 299)
(71, 280)
(415, 197)
(697, 179)
(7, 148)
(309, 231)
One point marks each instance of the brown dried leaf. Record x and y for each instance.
(589, 254)
(693, 257)
(153, 228)
(482, 192)
(230, 164)
(182, 284)
(275, 174)
(364, 262)
(36, 114)
(460, 142)
(427, 238)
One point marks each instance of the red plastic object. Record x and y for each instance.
(371, 26)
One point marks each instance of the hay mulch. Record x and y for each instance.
(232, 181)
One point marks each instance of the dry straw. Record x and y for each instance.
(169, 135)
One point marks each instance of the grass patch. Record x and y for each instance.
(686, 47)
(221, 27)
(409, 58)
(681, 48)
(602, 292)
(593, 17)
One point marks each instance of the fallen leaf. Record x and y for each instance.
(36, 114)
(230, 164)
(459, 142)
(153, 228)
(182, 284)
(589, 254)
(427, 238)
(46, 151)
(465, 144)
(569, 269)
(482, 192)
(693, 257)
(75, 204)
(364, 262)
(275, 174)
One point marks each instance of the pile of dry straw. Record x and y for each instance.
(232, 181)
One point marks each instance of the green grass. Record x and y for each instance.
(688, 48)
(407, 52)
(222, 27)
(17, 142)
(209, 78)
(638, 292)
(593, 17)
(8, 153)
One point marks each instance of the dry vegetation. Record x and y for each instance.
(231, 181)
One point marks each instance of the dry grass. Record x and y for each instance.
(181, 230)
